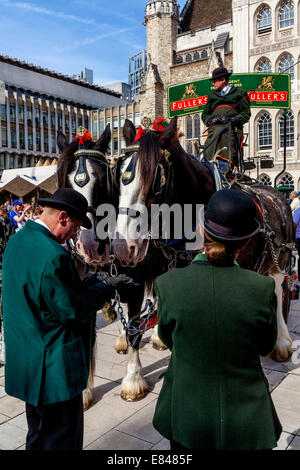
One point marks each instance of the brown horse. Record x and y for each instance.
(191, 182)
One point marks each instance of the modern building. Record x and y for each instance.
(122, 88)
(86, 75)
(35, 103)
(137, 67)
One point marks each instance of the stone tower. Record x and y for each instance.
(161, 21)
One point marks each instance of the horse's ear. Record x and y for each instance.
(103, 142)
(168, 134)
(62, 141)
(129, 132)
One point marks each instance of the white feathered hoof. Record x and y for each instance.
(121, 346)
(87, 397)
(159, 345)
(283, 350)
(134, 391)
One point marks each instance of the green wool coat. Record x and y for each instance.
(48, 315)
(217, 106)
(216, 321)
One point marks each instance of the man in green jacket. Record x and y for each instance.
(217, 319)
(48, 315)
(226, 111)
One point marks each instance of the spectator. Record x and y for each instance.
(295, 200)
(17, 217)
(296, 219)
(217, 319)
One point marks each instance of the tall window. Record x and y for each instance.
(265, 131)
(264, 21)
(197, 126)
(189, 127)
(190, 148)
(290, 130)
(196, 56)
(265, 67)
(287, 180)
(286, 15)
(188, 58)
(179, 59)
(286, 65)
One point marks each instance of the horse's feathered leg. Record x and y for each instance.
(283, 348)
(156, 341)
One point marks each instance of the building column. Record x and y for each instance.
(76, 118)
(62, 107)
(98, 124)
(82, 116)
(55, 121)
(112, 131)
(33, 124)
(41, 125)
(6, 161)
(119, 130)
(49, 126)
(8, 119)
(90, 120)
(17, 120)
(70, 123)
(25, 122)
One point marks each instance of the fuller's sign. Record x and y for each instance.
(271, 90)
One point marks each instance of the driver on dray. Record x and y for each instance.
(226, 110)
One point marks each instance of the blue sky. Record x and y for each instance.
(68, 35)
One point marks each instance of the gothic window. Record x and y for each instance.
(286, 15)
(265, 67)
(179, 59)
(188, 58)
(196, 56)
(290, 129)
(265, 131)
(197, 126)
(189, 127)
(204, 54)
(287, 180)
(265, 180)
(286, 65)
(264, 21)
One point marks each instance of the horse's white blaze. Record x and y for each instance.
(86, 245)
(284, 341)
(133, 384)
(126, 248)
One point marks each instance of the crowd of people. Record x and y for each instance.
(13, 217)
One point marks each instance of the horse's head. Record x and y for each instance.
(144, 179)
(86, 170)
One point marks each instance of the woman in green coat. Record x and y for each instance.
(217, 319)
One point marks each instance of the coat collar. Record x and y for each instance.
(201, 257)
(31, 225)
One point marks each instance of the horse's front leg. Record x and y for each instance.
(283, 348)
(156, 341)
(134, 387)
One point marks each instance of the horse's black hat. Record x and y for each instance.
(219, 73)
(230, 216)
(71, 201)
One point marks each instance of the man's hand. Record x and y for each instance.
(120, 283)
(236, 120)
(215, 120)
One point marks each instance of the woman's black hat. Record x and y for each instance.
(71, 201)
(219, 73)
(230, 216)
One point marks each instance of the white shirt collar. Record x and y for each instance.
(38, 221)
(225, 90)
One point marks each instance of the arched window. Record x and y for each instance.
(204, 54)
(196, 56)
(197, 126)
(265, 66)
(265, 180)
(188, 58)
(265, 131)
(179, 59)
(189, 127)
(286, 65)
(287, 180)
(264, 21)
(290, 130)
(286, 15)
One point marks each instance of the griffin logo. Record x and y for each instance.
(266, 84)
(190, 92)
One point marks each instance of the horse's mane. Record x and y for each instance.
(65, 162)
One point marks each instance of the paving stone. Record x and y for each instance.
(2, 391)
(110, 370)
(274, 378)
(286, 398)
(284, 441)
(11, 437)
(164, 444)
(10, 406)
(20, 422)
(140, 425)
(3, 419)
(295, 444)
(115, 440)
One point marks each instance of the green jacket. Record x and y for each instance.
(236, 97)
(216, 321)
(48, 318)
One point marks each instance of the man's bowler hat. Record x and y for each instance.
(219, 73)
(230, 216)
(71, 201)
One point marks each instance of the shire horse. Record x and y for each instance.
(191, 182)
(88, 171)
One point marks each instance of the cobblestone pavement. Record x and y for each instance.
(113, 424)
